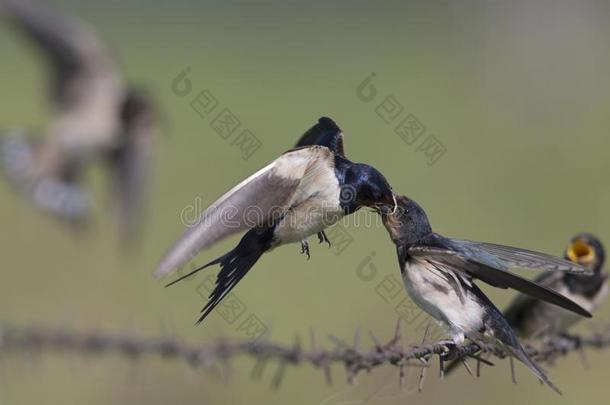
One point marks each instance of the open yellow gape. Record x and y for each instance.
(581, 252)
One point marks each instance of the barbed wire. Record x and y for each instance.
(14, 339)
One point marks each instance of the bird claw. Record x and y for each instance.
(323, 238)
(305, 248)
(451, 350)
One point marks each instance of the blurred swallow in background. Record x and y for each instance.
(532, 318)
(438, 274)
(298, 195)
(96, 118)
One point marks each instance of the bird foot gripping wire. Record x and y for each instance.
(451, 350)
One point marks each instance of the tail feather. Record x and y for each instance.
(521, 355)
(500, 332)
(198, 269)
(508, 340)
(234, 267)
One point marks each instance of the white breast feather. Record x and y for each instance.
(429, 287)
(315, 205)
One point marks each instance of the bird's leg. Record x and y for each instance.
(323, 238)
(305, 248)
(452, 349)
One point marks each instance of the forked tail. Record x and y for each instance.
(234, 265)
(509, 342)
(521, 355)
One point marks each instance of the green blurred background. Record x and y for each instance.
(517, 92)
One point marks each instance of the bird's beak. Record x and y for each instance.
(395, 203)
(388, 207)
(581, 252)
(394, 225)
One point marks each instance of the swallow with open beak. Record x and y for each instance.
(533, 318)
(97, 118)
(299, 194)
(439, 273)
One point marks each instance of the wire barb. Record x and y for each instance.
(19, 340)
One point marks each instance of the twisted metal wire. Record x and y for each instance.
(15, 340)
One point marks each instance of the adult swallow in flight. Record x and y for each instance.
(532, 318)
(97, 118)
(298, 195)
(439, 272)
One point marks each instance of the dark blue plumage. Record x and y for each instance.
(325, 133)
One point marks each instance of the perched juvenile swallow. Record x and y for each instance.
(439, 272)
(298, 195)
(97, 118)
(532, 318)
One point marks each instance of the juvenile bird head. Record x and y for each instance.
(408, 223)
(587, 250)
(367, 187)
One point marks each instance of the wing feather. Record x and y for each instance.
(76, 52)
(260, 199)
(488, 269)
(523, 258)
(523, 304)
(132, 163)
(325, 133)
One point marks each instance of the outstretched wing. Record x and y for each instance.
(522, 258)
(131, 161)
(75, 51)
(86, 85)
(260, 199)
(482, 265)
(521, 305)
(325, 133)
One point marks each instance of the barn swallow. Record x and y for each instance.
(297, 195)
(97, 118)
(532, 318)
(323, 134)
(439, 272)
